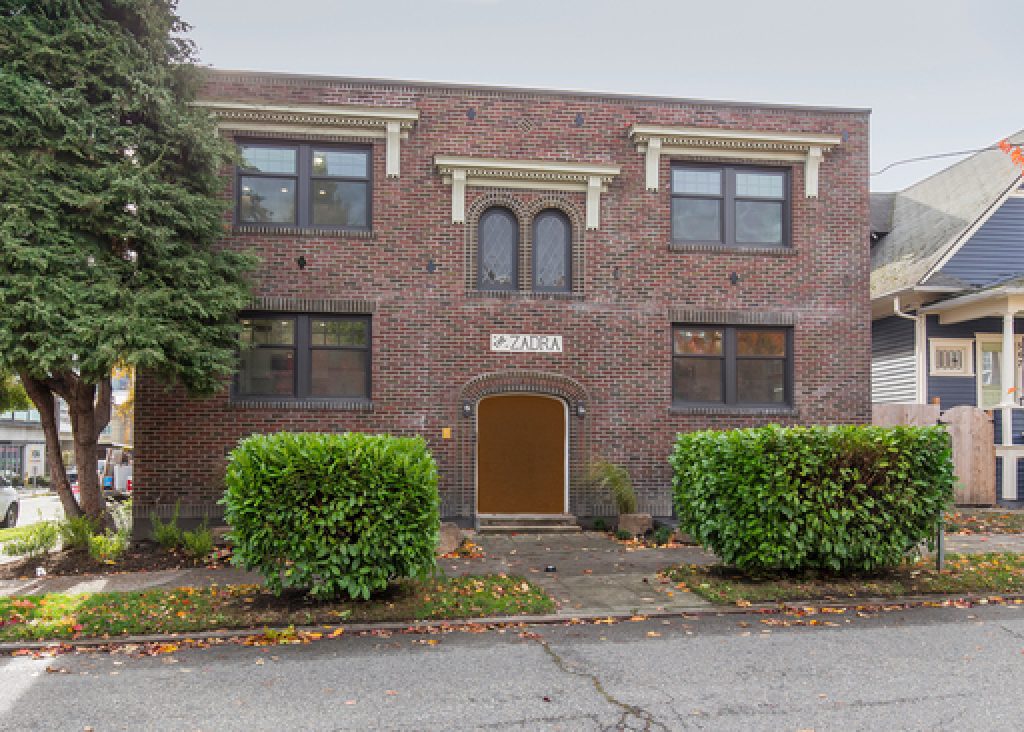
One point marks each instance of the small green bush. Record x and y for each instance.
(108, 547)
(662, 535)
(614, 479)
(120, 513)
(38, 542)
(623, 535)
(600, 524)
(839, 499)
(75, 532)
(333, 513)
(167, 533)
(198, 543)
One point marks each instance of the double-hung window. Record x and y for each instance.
(304, 185)
(737, 206)
(730, 365)
(291, 356)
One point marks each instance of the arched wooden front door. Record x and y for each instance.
(521, 454)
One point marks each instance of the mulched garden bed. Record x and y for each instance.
(142, 557)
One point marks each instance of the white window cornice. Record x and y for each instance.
(392, 124)
(656, 141)
(463, 172)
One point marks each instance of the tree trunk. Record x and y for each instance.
(82, 406)
(43, 398)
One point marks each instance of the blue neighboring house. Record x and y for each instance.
(947, 293)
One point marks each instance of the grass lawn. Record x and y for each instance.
(104, 614)
(18, 532)
(968, 521)
(973, 573)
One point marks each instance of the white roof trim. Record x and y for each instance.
(974, 297)
(589, 178)
(655, 141)
(392, 124)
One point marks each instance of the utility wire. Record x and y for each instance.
(933, 157)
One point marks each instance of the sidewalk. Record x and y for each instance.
(592, 574)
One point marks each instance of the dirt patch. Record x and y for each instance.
(143, 557)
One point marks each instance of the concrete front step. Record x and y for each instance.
(527, 523)
(528, 529)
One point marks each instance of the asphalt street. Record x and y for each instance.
(923, 669)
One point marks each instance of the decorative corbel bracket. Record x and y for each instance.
(655, 142)
(462, 172)
(392, 124)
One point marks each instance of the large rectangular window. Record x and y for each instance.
(304, 357)
(732, 365)
(304, 185)
(730, 205)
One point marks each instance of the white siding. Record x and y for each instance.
(893, 368)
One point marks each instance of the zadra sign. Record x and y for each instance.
(526, 343)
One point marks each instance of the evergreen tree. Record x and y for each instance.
(12, 393)
(110, 213)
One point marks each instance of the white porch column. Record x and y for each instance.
(1007, 382)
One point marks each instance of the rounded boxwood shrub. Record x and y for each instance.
(839, 499)
(333, 514)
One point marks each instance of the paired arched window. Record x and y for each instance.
(552, 252)
(498, 251)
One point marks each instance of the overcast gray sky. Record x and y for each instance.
(938, 75)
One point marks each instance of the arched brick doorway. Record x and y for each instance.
(522, 455)
(568, 391)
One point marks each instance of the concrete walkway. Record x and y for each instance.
(592, 574)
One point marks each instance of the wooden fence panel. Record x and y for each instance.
(974, 450)
(914, 415)
(974, 455)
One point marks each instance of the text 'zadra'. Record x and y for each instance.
(526, 343)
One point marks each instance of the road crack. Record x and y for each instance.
(632, 718)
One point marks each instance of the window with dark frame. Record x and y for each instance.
(304, 185)
(552, 252)
(304, 357)
(741, 206)
(498, 250)
(732, 365)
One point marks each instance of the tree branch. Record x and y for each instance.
(103, 403)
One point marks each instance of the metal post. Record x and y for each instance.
(940, 546)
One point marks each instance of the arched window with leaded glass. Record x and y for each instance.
(498, 250)
(552, 252)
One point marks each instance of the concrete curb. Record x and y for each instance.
(427, 627)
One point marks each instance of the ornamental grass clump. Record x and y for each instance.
(838, 499)
(333, 514)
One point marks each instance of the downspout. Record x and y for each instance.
(920, 338)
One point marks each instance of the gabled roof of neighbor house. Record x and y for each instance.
(924, 224)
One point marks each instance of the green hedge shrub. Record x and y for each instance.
(333, 513)
(840, 499)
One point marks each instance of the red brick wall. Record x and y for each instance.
(431, 335)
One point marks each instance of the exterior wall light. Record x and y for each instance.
(467, 409)
(581, 409)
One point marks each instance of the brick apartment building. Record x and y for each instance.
(528, 279)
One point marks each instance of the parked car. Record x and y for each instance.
(9, 504)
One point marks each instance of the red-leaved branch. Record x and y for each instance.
(1014, 151)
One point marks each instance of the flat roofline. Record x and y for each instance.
(540, 91)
